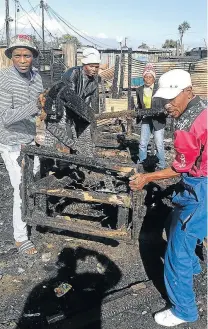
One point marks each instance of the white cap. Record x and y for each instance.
(91, 56)
(172, 83)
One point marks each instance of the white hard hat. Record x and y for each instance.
(91, 56)
(172, 83)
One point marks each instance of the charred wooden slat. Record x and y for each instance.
(88, 162)
(113, 153)
(129, 126)
(121, 74)
(73, 225)
(129, 76)
(27, 179)
(123, 200)
(131, 114)
(117, 114)
(50, 182)
(138, 212)
(122, 217)
(115, 79)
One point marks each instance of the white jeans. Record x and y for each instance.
(10, 155)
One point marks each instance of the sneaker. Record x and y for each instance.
(168, 319)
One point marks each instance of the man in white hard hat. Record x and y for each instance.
(82, 79)
(189, 218)
(20, 87)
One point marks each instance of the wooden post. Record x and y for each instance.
(70, 54)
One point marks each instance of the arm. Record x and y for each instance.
(11, 114)
(139, 104)
(138, 181)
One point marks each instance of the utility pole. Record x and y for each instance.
(15, 17)
(7, 20)
(43, 23)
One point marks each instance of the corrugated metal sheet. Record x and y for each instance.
(110, 57)
(199, 77)
(160, 68)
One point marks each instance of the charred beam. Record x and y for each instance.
(123, 200)
(73, 225)
(115, 79)
(103, 97)
(131, 114)
(129, 76)
(113, 153)
(100, 164)
(27, 179)
(121, 74)
(138, 212)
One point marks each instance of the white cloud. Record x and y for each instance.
(102, 35)
(85, 32)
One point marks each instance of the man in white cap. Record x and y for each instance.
(189, 218)
(20, 87)
(82, 79)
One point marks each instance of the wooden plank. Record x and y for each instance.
(123, 200)
(76, 225)
(100, 164)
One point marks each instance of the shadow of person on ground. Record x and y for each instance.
(151, 242)
(90, 274)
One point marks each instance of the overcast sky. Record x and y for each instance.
(141, 21)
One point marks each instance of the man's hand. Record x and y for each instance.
(42, 99)
(138, 181)
(41, 104)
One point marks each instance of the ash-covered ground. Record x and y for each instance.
(112, 285)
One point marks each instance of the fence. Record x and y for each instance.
(4, 61)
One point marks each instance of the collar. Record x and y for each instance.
(150, 87)
(195, 100)
(33, 72)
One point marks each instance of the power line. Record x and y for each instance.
(33, 9)
(75, 30)
(61, 19)
(50, 17)
(35, 21)
(28, 11)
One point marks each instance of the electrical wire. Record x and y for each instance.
(62, 20)
(75, 30)
(72, 26)
(32, 6)
(28, 11)
(50, 17)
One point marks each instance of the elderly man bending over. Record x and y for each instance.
(189, 220)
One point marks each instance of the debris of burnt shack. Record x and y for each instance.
(85, 164)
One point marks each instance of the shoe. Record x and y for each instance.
(168, 319)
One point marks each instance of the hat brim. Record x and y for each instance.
(8, 51)
(167, 93)
(85, 62)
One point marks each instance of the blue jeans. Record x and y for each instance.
(189, 224)
(146, 131)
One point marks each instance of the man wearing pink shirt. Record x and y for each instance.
(189, 220)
